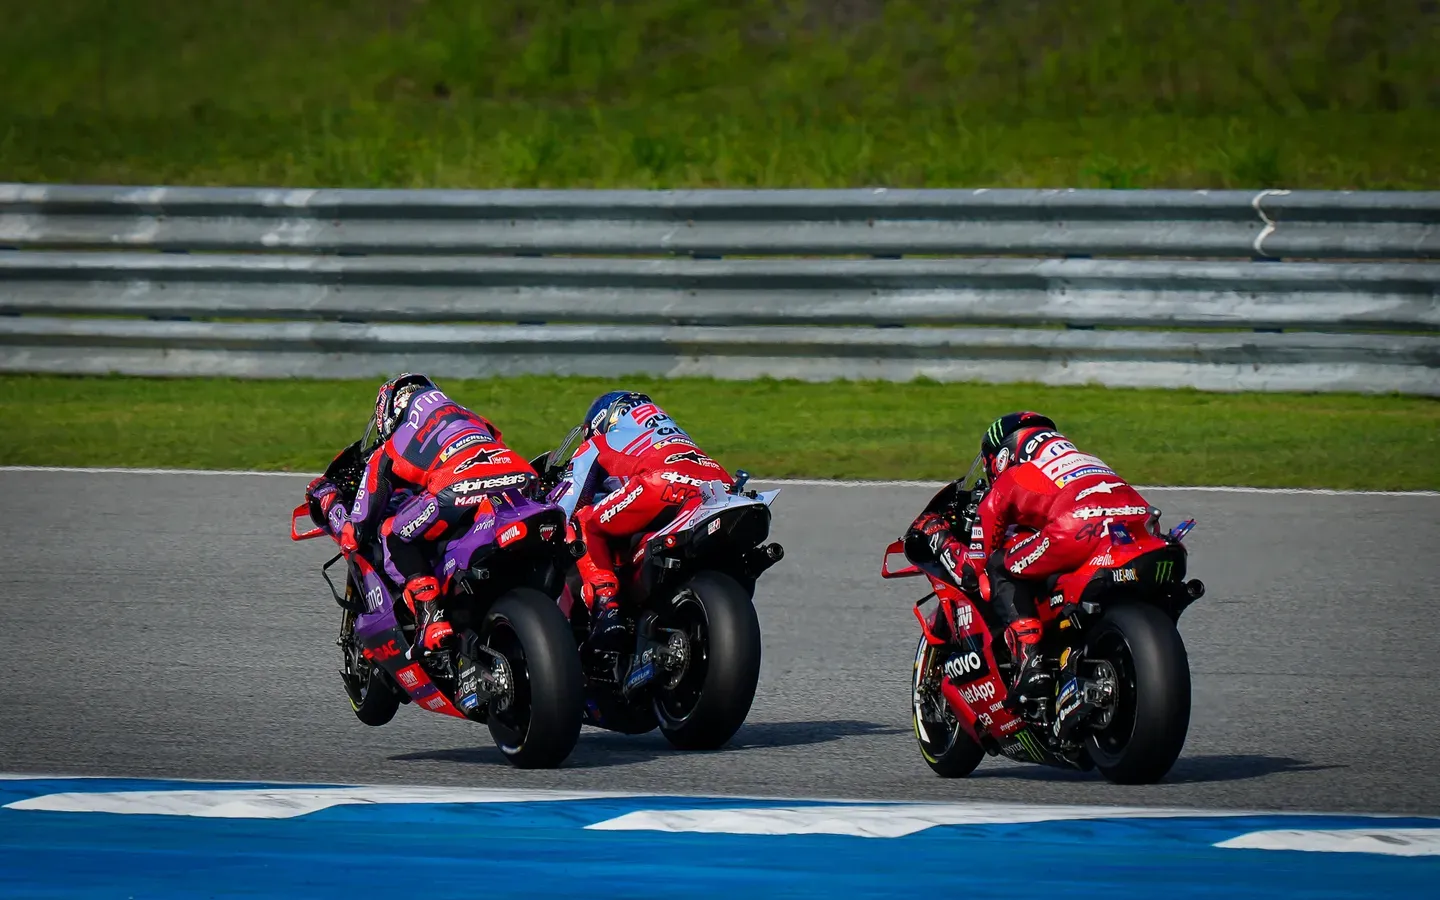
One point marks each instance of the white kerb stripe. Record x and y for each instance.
(889, 820)
(1386, 841)
(277, 803)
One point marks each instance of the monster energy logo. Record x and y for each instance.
(1164, 569)
(994, 433)
(1028, 743)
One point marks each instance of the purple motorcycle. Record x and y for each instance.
(513, 664)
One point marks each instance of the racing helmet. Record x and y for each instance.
(394, 396)
(998, 445)
(608, 408)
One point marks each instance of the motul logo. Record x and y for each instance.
(512, 534)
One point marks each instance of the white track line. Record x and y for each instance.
(798, 482)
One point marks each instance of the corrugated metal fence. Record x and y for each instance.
(1218, 290)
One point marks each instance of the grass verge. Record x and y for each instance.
(862, 430)
(689, 93)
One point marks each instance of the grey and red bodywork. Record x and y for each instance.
(978, 696)
(500, 521)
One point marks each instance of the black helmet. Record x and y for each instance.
(1000, 438)
(393, 398)
(608, 408)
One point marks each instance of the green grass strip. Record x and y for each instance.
(860, 430)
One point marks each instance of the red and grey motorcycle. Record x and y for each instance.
(1121, 675)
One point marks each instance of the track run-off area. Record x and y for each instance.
(162, 626)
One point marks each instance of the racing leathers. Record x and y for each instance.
(449, 460)
(632, 478)
(1066, 501)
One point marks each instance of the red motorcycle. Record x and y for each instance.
(1121, 675)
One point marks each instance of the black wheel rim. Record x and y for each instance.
(948, 726)
(1108, 744)
(676, 704)
(510, 726)
(353, 661)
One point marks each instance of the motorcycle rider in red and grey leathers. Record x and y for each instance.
(1040, 483)
(635, 467)
(448, 460)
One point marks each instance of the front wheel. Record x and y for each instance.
(1138, 739)
(536, 723)
(705, 703)
(946, 748)
(373, 696)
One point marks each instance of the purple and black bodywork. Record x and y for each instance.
(514, 541)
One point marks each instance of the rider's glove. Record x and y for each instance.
(324, 492)
(348, 544)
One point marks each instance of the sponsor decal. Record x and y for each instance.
(964, 615)
(409, 678)
(1026, 742)
(1105, 559)
(1028, 451)
(456, 446)
(1057, 600)
(1096, 512)
(694, 456)
(1164, 569)
(1083, 473)
(547, 532)
(1125, 575)
(1103, 487)
(512, 534)
(1056, 450)
(435, 702)
(975, 694)
(1024, 562)
(415, 524)
(495, 482)
(1068, 462)
(449, 566)
(966, 666)
(645, 411)
(628, 499)
(372, 598)
(678, 439)
(984, 719)
(484, 457)
(385, 651)
(678, 478)
(1002, 460)
(714, 527)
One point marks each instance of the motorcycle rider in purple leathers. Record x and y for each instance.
(449, 459)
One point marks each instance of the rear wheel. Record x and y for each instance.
(1138, 739)
(373, 696)
(705, 703)
(537, 722)
(944, 745)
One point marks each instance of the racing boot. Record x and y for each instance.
(607, 626)
(431, 630)
(1032, 681)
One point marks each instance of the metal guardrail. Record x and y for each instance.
(82, 282)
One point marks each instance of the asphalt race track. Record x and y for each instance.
(166, 626)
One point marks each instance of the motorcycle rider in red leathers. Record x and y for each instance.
(646, 467)
(449, 460)
(1041, 483)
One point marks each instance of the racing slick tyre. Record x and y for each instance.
(537, 721)
(373, 696)
(1138, 739)
(944, 745)
(701, 706)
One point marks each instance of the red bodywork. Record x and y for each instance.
(979, 704)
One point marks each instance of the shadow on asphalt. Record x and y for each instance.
(599, 749)
(1187, 770)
